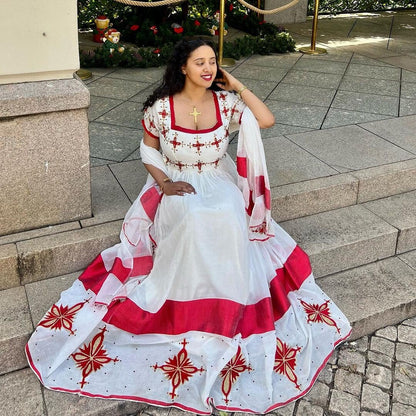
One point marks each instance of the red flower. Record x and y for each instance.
(231, 7)
(154, 28)
(262, 22)
(102, 17)
(134, 27)
(156, 50)
(196, 23)
(178, 29)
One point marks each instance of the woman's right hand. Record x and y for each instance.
(178, 188)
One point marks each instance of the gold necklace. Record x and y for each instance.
(195, 113)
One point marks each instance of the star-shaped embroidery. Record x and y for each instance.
(319, 313)
(285, 361)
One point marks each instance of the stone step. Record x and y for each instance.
(372, 296)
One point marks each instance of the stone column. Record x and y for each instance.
(44, 144)
(294, 14)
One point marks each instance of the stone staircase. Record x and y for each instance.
(358, 227)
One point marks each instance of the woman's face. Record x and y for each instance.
(201, 67)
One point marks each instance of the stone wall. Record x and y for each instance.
(294, 14)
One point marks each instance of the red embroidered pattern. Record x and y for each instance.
(91, 357)
(319, 313)
(178, 369)
(232, 371)
(61, 317)
(285, 361)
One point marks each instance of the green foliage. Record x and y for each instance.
(345, 6)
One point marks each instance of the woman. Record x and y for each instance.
(206, 302)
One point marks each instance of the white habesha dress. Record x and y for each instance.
(187, 310)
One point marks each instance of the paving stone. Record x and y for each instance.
(375, 399)
(288, 163)
(360, 344)
(341, 117)
(316, 79)
(404, 393)
(144, 75)
(15, 328)
(344, 404)
(352, 361)
(374, 295)
(95, 161)
(280, 129)
(398, 210)
(113, 142)
(283, 411)
(382, 345)
(142, 96)
(411, 321)
(100, 106)
(318, 394)
(109, 201)
(342, 238)
(75, 405)
(348, 382)
(375, 72)
(43, 294)
(399, 131)
(333, 358)
(405, 373)
(303, 94)
(389, 332)
(131, 176)
(302, 115)
(407, 334)
(408, 76)
(275, 60)
(349, 148)
(55, 255)
(326, 375)
(365, 60)
(378, 376)
(154, 411)
(408, 90)
(326, 67)
(379, 358)
(127, 114)
(262, 89)
(370, 85)
(406, 353)
(260, 73)
(9, 276)
(115, 88)
(385, 180)
(308, 409)
(402, 410)
(21, 395)
(300, 199)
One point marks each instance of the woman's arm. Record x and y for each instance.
(264, 116)
(168, 187)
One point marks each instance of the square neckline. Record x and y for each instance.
(176, 127)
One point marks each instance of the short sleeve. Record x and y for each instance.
(150, 121)
(237, 106)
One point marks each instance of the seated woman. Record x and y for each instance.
(206, 302)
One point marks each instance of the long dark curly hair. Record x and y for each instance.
(174, 79)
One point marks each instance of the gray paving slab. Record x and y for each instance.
(400, 131)
(369, 103)
(349, 148)
(331, 55)
(375, 72)
(365, 291)
(115, 88)
(141, 96)
(21, 394)
(365, 60)
(109, 201)
(146, 75)
(280, 129)
(95, 161)
(15, 328)
(126, 114)
(301, 115)
(100, 105)
(275, 61)
(111, 142)
(343, 238)
(339, 117)
(408, 90)
(303, 94)
(408, 76)
(407, 107)
(371, 85)
(131, 175)
(258, 72)
(406, 62)
(288, 163)
(329, 67)
(399, 211)
(313, 79)
(9, 275)
(261, 88)
(133, 156)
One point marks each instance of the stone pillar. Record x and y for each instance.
(44, 144)
(294, 14)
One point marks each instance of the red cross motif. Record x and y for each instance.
(198, 145)
(180, 165)
(163, 113)
(216, 142)
(232, 371)
(225, 111)
(91, 357)
(175, 143)
(223, 96)
(178, 369)
(199, 165)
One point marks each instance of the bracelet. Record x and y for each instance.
(164, 181)
(241, 90)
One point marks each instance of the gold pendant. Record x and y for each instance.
(195, 114)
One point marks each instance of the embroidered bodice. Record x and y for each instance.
(186, 148)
